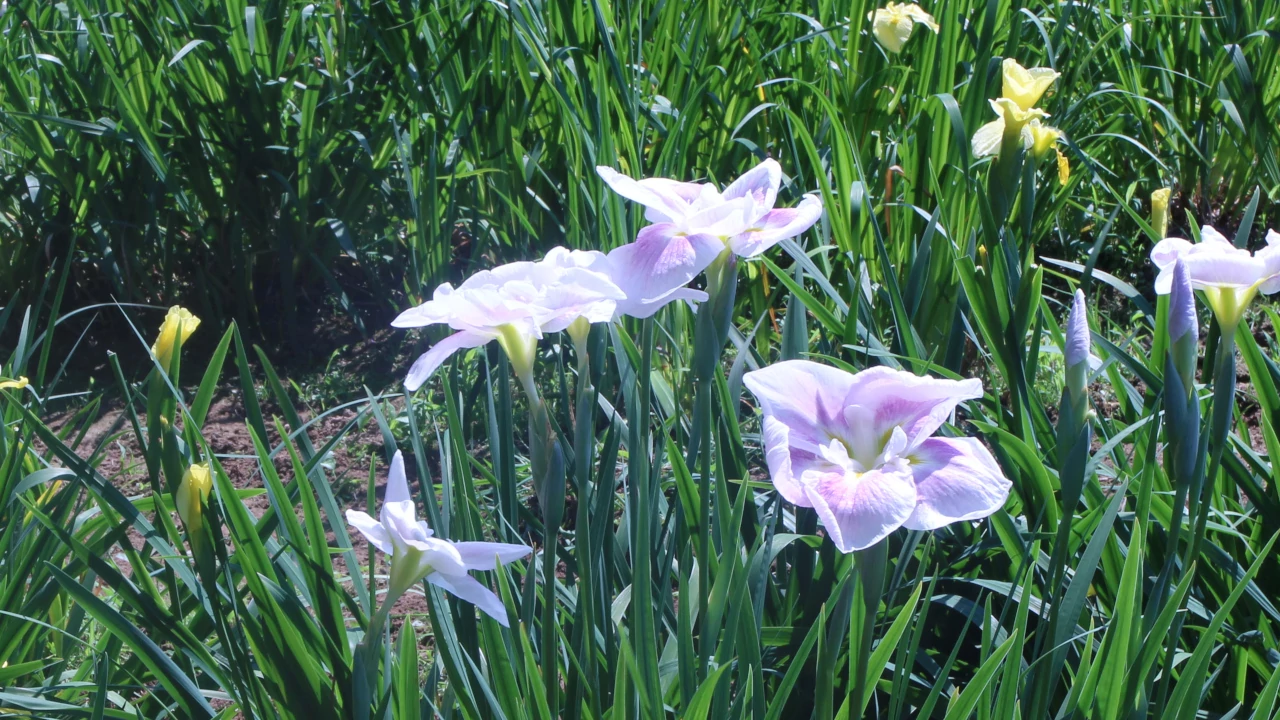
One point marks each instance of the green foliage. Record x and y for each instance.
(244, 154)
(237, 156)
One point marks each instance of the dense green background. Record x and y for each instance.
(238, 157)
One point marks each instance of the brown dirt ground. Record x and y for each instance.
(110, 437)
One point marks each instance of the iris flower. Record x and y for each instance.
(1229, 276)
(417, 554)
(893, 24)
(178, 326)
(694, 223)
(192, 494)
(514, 304)
(859, 450)
(13, 384)
(1016, 109)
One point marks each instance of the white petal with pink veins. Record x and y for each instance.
(956, 479)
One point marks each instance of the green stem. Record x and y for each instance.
(585, 626)
(710, 334)
(871, 565)
(641, 517)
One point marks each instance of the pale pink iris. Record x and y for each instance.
(417, 554)
(859, 450)
(694, 223)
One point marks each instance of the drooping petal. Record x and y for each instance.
(371, 529)
(776, 226)
(1223, 266)
(896, 398)
(918, 14)
(465, 587)
(657, 264)
(780, 457)
(807, 397)
(431, 360)
(760, 183)
(988, 138)
(481, 555)
(955, 479)
(1163, 256)
(859, 510)
(661, 204)
(892, 28)
(1270, 257)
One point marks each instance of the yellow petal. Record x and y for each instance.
(892, 27)
(1160, 210)
(1015, 116)
(1064, 168)
(1025, 86)
(191, 495)
(1043, 137)
(919, 15)
(178, 326)
(13, 384)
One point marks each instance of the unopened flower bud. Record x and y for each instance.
(1160, 211)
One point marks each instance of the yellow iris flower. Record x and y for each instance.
(13, 384)
(1018, 115)
(190, 498)
(1025, 86)
(178, 326)
(892, 24)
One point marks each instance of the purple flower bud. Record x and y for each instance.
(1078, 340)
(1182, 305)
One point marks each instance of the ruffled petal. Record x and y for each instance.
(661, 204)
(656, 265)
(578, 292)
(465, 587)
(1025, 86)
(481, 555)
(888, 399)
(371, 529)
(807, 397)
(760, 183)
(860, 510)
(1209, 235)
(431, 360)
(955, 479)
(1270, 257)
(918, 14)
(780, 458)
(776, 226)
